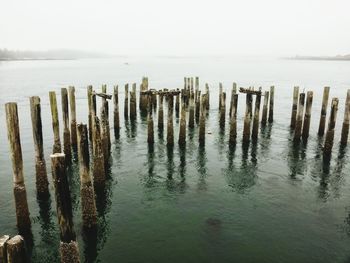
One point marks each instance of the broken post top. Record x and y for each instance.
(103, 95)
(250, 91)
(161, 92)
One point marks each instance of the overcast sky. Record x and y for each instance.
(179, 27)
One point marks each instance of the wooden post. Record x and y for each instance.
(143, 97)
(89, 96)
(198, 106)
(299, 120)
(265, 107)
(345, 128)
(16, 250)
(220, 95)
(126, 101)
(40, 166)
(272, 95)
(222, 110)
(104, 133)
(191, 113)
(255, 130)
(294, 107)
(322, 125)
(182, 130)
(3, 248)
(207, 98)
(66, 132)
(116, 113)
(328, 144)
(68, 246)
(177, 105)
(73, 116)
(307, 116)
(133, 102)
(13, 135)
(88, 204)
(233, 123)
(160, 113)
(154, 101)
(105, 121)
(98, 169)
(233, 92)
(204, 104)
(247, 118)
(55, 123)
(150, 124)
(170, 125)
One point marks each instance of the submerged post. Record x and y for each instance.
(68, 246)
(16, 250)
(299, 120)
(265, 108)
(170, 125)
(73, 116)
(55, 123)
(88, 205)
(182, 131)
(40, 165)
(255, 130)
(322, 125)
(328, 144)
(126, 101)
(19, 190)
(272, 95)
(307, 117)
(66, 132)
(247, 118)
(233, 121)
(116, 113)
(345, 128)
(294, 107)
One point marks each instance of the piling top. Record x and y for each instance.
(4, 239)
(57, 155)
(15, 240)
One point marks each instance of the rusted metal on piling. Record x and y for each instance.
(57, 148)
(265, 108)
(126, 102)
(272, 101)
(328, 144)
(98, 168)
(299, 120)
(88, 205)
(20, 194)
(66, 132)
(248, 117)
(116, 113)
(16, 250)
(150, 123)
(346, 121)
(182, 130)
(42, 182)
(255, 129)
(233, 121)
(3, 248)
(322, 124)
(307, 116)
(73, 117)
(293, 118)
(68, 246)
(170, 124)
(201, 137)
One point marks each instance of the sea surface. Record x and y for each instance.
(272, 201)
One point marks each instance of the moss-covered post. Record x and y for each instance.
(265, 108)
(40, 166)
(73, 118)
(328, 144)
(66, 132)
(57, 148)
(255, 129)
(299, 121)
(294, 107)
(69, 250)
(345, 128)
(233, 121)
(307, 116)
(116, 113)
(322, 124)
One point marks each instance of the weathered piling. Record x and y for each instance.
(299, 120)
(265, 108)
(154, 101)
(191, 112)
(201, 137)
(40, 165)
(294, 107)
(255, 129)
(197, 84)
(105, 120)
(307, 116)
(22, 211)
(98, 168)
(346, 121)
(160, 113)
(233, 92)
(16, 250)
(116, 113)
(177, 105)
(222, 110)
(322, 124)
(170, 125)
(143, 97)
(328, 144)
(57, 148)
(126, 102)
(220, 95)
(89, 96)
(247, 118)
(133, 102)
(182, 130)
(198, 106)
(73, 118)
(3, 248)
(104, 133)
(272, 96)
(88, 205)
(68, 246)
(233, 121)
(150, 124)
(66, 132)
(207, 97)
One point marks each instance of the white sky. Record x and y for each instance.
(179, 27)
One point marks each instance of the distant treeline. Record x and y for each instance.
(6, 54)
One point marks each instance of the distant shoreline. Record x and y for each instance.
(34, 59)
(336, 58)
